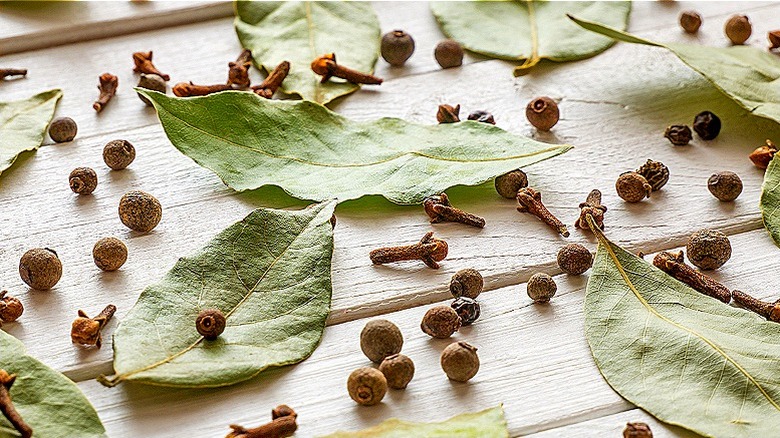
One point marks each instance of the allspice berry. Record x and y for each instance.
(109, 253)
(63, 129)
(738, 29)
(707, 125)
(83, 180)
(541, 288)
(574, 259)
(440, 322)
(726, 186)
(690, 21)
(40, 268)
(210, 323)
(637, 430)
(543, 113)
(118, 154)
(380, 338)
(633, 187)
(678, 135)
(708, 249)
(10, 308)
(140, 211)
(656, 174)
(398, 370)
(509, 183)
(367, 386)
(460, 361)
(449, 53)
(466, 283)
(397, 47)
(151, 82)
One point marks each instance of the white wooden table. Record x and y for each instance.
(534, 358)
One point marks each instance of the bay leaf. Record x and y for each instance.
(748, 75)
(300, 32)
(50, 403)
(269, 274)
(313, 153)
(530, 30)
(489, 423)
(23, 124)
(685, 358)
(770, 200)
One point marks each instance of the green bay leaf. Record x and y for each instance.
(770, 200)
(528, 31)
(685, 358)
(23, 124)
(269, 274)
(50, 403)
(313, 153)
(300, 32)
(489, 423)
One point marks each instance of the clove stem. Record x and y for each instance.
(7, 406)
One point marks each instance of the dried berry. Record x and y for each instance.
(151, 82)
(397, 47)
(118, 154)
(448, 114)
(707, 125)
(726, 186)
(63, 129)
(482, 116)
(541, 288)
(467, 309)
(210, 323)
(449, 53)
(637, 430)
(763, 154)
(574, 259)
(460, 361)
(466, 283)
(83, 180)
(690, 21)
(10, 308)
(86, 330)
(633, 187)
(708, 249)
(109, 253)
(738, 29)
(140, 211)
(380, 338)
(543, 113)
(508, 184)
(398, 370)
(440, 322)
(774, 39)
(656, 174)
(367, 386)
(40, 268)
(679, 135)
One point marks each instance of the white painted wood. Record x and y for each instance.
(613, 426)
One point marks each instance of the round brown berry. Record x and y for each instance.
(397, 47)
(656, 174)
(109, 253)
(738, 29)
(466, 283)
(118, 154)
(543, 113)
(367, 386)
(708, 249)
(440, 322)
(633, 187)
(151, 82)
(508, 184)
(726, 186)
(707, 125)
(541, 288)
(460, 361)
(482, 116)
(574, 259)
(210, 323)
(140, 211)
(762, 155)
(10, 308)
(63, 129)
(637, 430)
(690, 21)
(83, 180)
(398, 370)
(40, 268)
(449, 53)
(678, 135)
(380, 338)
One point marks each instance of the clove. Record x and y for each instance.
(238, 75)
(7, 72)
(183, 89)
(108, 85)
(592, 206)
(7, 406)
(86, 330)
(770, 311)
(430, 250)
(439, 209)
(327, 67)
(273, 81)
(674, 265)
(283, 425)
(448, 114)
(143, 64)
(530, 201)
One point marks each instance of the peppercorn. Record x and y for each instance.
(367, 386)
(466, 283)
(541, 287)
(397, 47)
(726, 186)
(40, 268)
(574, 259)
(678, 135)
(708, 249)
(151, 82)
(63, 129)
(738, 29)
(467, 309)
(707, 125)
(380, 338)
(10, 308)
(690, 21)
(482, 116)
(460, 361)
(633, 187)
(637, 430)
(140, 211)
(762, 155)
(543, 113)
(109, 253)
(83, 180)
(440, 322)
(118, 154)
(210, 323)
(656, 174)
(508, 184)
(449, 53)
(398, 370)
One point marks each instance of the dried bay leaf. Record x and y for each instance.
(49, 402)
(770, 200)
(528, 31)
(23, 124)
(314, 153)
(270, 276)
(489, 423)
(300, 32)
(685, 358)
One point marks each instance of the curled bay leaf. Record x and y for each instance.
(685, 358)
(299, 32)
(489, 423)
(50, 403)
(528, 31)
(314, 153)
(770, 200)
(269, 274)
(23, 124)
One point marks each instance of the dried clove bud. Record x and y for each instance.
(143, 64)
(430, 250)
(674, 265)
(273, 81)
(530, 201)
(183, 89)
(448, 114)
(439, 209)
(108, 85)
(592, 206)
(238, 75)
(86, 330)
(327, 67)
(10, 308)
(774, 39)
(763, 154)
(8, 72)
(284, 424)
(770, 311)
(637, 430)
(7, 407)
